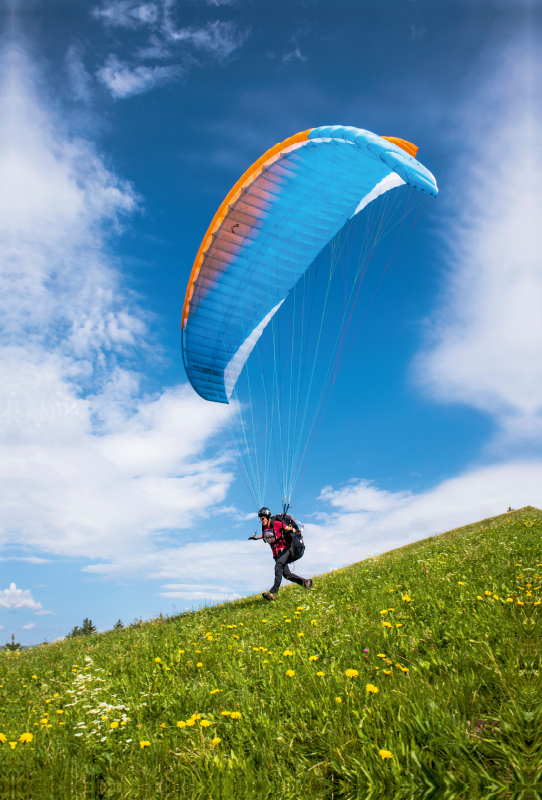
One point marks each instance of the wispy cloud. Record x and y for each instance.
(295, 55)
(14, 599)
(29, 626)
(485, 339)
(124, 80)
(183, 46)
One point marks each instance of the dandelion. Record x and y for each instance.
(380, 655)
(384, 754)
(385, 611)
(144, 744)
(35, 677)
(399, 625)
(181, 724)
(236, 715)
(287, 620)
(215, 691)
(114, 725)
(460, 583)
(537, 603)
(488, 594)
(287, 653)
(352, 673)
(225, 713)
(205, 723)
(387, 671)
(180, 652)
(320, 674)
(338, 699)
(479, 597)
(406, 599)
(265, 662)
(190, 722)
(158, 660)
(199, 664)
(511, 600)
(264, 620)
(313, 658)
(387, 625)
(162, 725)
(13, 745)
(290, 673)
(372, 688)
(301, 634)
(496, 596)
(520, 603)
(59, 711)
(313, 622)
(26, 737)
(216, 740)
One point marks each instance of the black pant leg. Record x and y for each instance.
(289, 575)
(280, 563)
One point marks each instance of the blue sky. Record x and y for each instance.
(123, 126)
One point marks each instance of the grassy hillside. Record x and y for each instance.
(410, 674)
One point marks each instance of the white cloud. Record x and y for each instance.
(28, 559)
(80, 80)
(485, 340)
(127, 13)
(43, 613)
(14, 598)
(295, 55)
(186, 47)
(89, 465)
(124, 80)
(29, 626)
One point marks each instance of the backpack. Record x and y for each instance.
(293, 538)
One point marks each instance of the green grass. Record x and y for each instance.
(446, 630)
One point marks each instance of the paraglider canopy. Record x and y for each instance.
(269, 229)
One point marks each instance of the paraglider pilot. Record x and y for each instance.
(276, 532)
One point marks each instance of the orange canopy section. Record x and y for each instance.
(410, 148)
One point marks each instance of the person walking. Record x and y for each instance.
(276, 532)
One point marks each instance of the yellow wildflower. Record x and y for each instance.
(144, 744)
(320, 674)
(225, 713)
(380, 655)
(520, 603)
(290, 673)
(488, 594)
(114, 725)
(460, 583)
(287, 653)
(13, 745)
(338, 699)
(313, 658)
(59, 711)
(216, 740)
(181, 724)
(236, 715)
(372, 688)
(406, 598)
(215, 691)
(158, 660)
(385, 611)
(386, 671)
(199, 664)
(205, 723)
(352, 673)
(190, 722)
(479, 597)
(162, 725)
(387, 625)
(385, 754)
(26, 737)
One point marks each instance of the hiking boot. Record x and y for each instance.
(269, 596)
(308, 583)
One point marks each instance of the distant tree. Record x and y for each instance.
(13, 645)
(119, 625)
(86, 629)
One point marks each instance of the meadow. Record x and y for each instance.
(414, 674)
